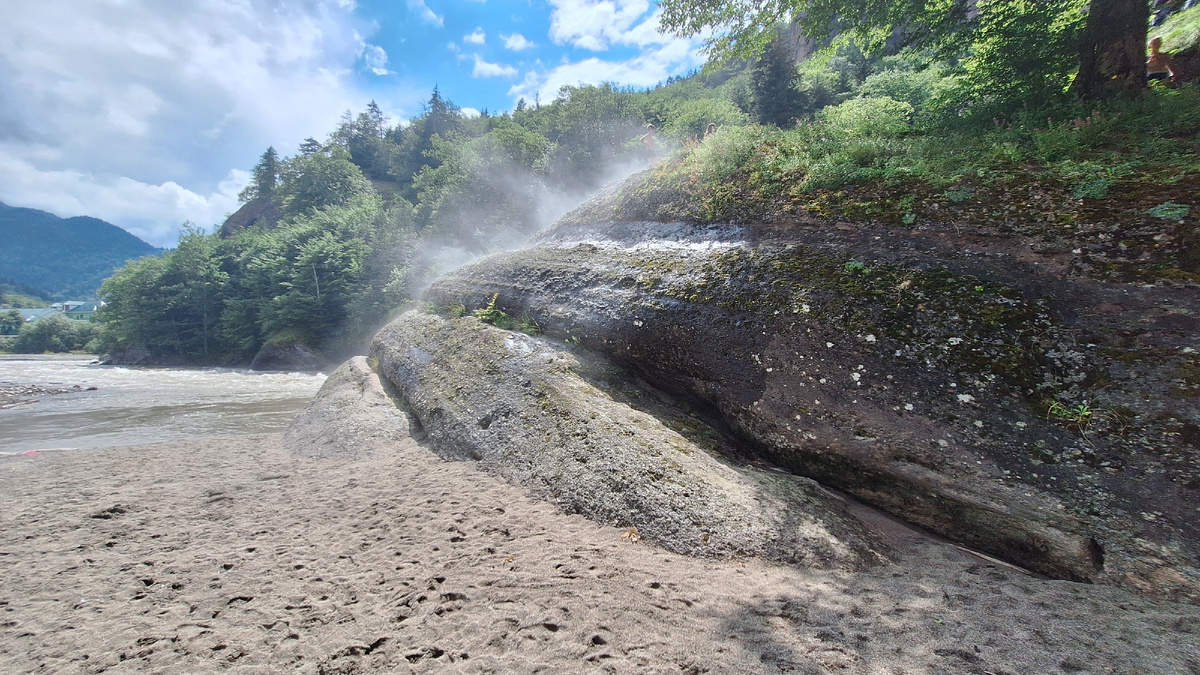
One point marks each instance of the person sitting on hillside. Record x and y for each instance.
(710, 129)
(1158, 66)
(648, 145)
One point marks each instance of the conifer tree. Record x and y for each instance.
(310, 146)
(265, 179)
(773, 81)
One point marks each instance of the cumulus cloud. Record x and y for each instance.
(595, 25)
(425, 13)
(485, 69)
(516, 42)
(661, 57)
(476, 38)
(153, 212)
(376, 59)
(136, 111)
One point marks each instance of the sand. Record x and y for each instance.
(232, 555)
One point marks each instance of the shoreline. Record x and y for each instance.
(234, 555)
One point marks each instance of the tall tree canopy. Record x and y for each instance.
(773, 78)
(266, 177)
(1107, 37)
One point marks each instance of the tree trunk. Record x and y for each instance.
(1112, 49)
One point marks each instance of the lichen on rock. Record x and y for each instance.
(523, 407)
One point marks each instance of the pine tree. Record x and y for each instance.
(366, 142)
(774, 80)
(310, 146)
(266, 178)
(441, 116)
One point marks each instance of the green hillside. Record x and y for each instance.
(67, 258)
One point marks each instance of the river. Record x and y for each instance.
(143, 405)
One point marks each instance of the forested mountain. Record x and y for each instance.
(67, 258)
(332, 241)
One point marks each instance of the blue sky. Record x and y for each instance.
(148, 113)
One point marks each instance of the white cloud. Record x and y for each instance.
(476, 38)
(516, 42)
(485, 69)
(469, 112)
(597, 24)
(153, 212)
(137, 111)
(652, 66)
(376, 59)
(131, 109)
(425, 13)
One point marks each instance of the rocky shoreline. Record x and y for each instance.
(12, 395)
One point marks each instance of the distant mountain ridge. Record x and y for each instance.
(68, 258)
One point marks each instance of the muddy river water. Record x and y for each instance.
(142, 405)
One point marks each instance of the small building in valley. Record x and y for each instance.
(82, 311)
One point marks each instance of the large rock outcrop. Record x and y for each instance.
(969, 383)
(351, 417)
(533, 411)
(262, 212)
(288, 356)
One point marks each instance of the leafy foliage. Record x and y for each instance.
(1019, 50)
(54, 333)
(868, 117)
(689, 119)
(1170, 211)
(1024, 51)
(11, 322)
(499, 318)
(1181, 32)
(321, 179)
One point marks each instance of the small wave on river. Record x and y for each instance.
(129, 405)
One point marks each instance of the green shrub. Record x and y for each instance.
(912, 87)
(868, 117)
(55, 333)
(959, 194)
(500, 319)
(1170, 211)
(1092, 188)
(691, 118)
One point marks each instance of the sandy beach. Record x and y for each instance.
(234, 555)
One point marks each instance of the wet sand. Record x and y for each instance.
(233, 555)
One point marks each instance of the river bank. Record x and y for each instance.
(235, 555)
